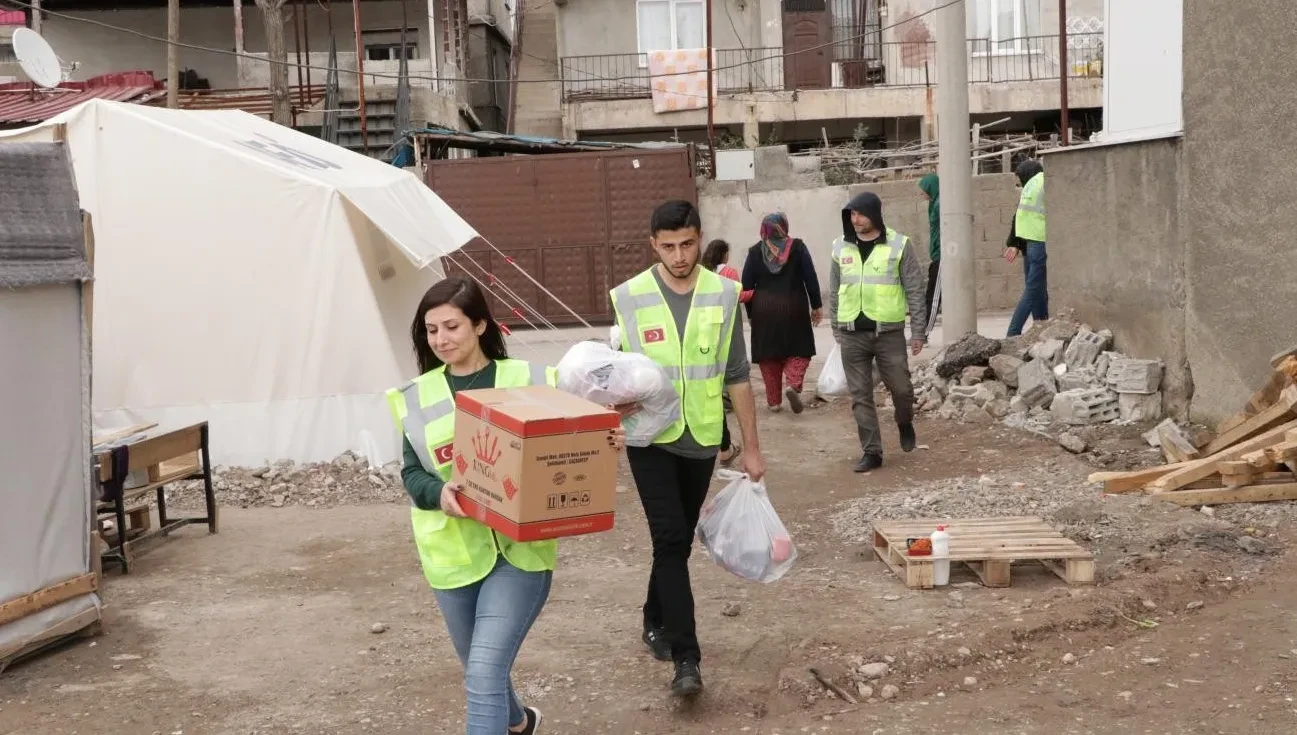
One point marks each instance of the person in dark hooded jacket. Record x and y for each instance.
(1027, 237)
(930, 185)
(875, 278)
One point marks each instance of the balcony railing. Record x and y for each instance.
(891, 64)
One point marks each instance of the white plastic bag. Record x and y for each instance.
(833, 378)
(596, 372)
(741, 530)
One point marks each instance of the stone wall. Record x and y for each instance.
(733, 210)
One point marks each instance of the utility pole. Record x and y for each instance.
(173, 54)
(958, 276)
(238, 30)
(1065, 124)
(36, 16)
(711, 125)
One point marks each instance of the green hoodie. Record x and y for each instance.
(932, 187)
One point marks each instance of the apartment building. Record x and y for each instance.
(225, 48)
(803, 70)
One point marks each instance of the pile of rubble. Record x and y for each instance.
(1063, 373)
(347, 480)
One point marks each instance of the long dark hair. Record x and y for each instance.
(717, 252)
(463, 293)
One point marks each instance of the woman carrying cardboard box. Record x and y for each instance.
(490, 588)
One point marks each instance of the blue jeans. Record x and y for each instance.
(487, 621)
(1035, 293)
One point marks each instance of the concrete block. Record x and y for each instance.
(1085, 348)
(1104, 361)
(1133, 375)
(1081, 378)
(973, 374)
(1050, 350)
(1140, 406)
(1005, 368)
(1036, 386)
(1085, 406)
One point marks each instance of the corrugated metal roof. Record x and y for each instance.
(23, 104)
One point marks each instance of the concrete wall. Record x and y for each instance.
(1117, 253)
(815, 216)
(102, 50)
(538, 109)
(595, 27)
(1184, 248)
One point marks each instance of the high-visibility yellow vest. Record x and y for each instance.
(1029, 222)
(456, 552)
(695, 364)
(870, 286)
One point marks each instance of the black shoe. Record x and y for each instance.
(869, 462)
(907, 437)
(656, 640)
(688, 680)
(794, 400)
(533, 722)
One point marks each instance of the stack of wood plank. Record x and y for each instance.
(1253, 457)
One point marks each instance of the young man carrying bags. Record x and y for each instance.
(685, 318)
(874, 278)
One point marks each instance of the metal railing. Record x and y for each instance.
(891, 64)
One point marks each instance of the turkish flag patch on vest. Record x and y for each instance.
(656, 334)
(847, 260)
(444, 453)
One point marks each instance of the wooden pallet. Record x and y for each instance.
(988, 546)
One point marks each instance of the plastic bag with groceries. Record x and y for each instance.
(741, 530)
(596, 372)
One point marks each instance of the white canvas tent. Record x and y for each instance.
(251, 276)
(47, 586)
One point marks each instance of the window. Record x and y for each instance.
(385, 45)
(1002, 26)
(670, 24)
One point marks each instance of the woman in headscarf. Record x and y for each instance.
(931, 187)
(785, 305)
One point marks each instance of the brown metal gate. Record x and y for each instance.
(577, 222)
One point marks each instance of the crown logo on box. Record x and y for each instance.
(486, 447)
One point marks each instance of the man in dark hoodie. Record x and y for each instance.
(875, 277)
(1027, 236)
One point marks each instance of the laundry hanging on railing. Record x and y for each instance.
(679, 79)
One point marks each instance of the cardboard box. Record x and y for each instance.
(535, 462)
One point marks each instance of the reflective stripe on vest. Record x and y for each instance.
(455, 552)
(877, 294)
(1029, 221)
(695, 363)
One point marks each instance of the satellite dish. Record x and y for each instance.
(36, 58)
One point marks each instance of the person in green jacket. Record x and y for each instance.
(490, 589)
(931, 188)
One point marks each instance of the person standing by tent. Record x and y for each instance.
(930, 185)
(716, 259)
(874, 278)
(490, 589)
(1027, 236)
(786, 305)
(684, 318)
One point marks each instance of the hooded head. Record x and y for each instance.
(865, 203)
(930, 186)
(1027, 170)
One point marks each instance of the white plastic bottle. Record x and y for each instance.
(940, 548)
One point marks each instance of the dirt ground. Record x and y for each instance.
(267, 626)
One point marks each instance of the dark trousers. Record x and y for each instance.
(672, 490)
(860, 350)
(725, 436)
(933, 271)
(1035, 290)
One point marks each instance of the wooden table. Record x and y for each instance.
(167, 456)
